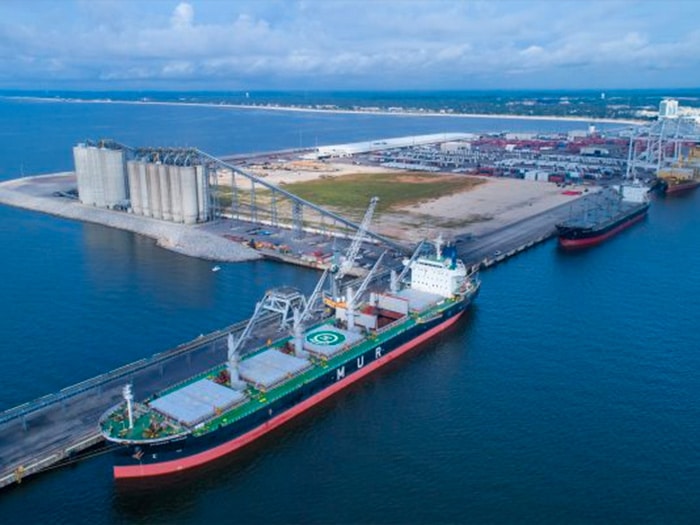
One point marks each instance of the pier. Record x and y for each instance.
(58, 427)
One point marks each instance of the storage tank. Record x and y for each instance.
(112, 175)
(96, 179)
(175, 193)
(132, 169)
(188, 185)
(202, 193)
(81, 160)
(154, 190)
(143, 183)
(165, 200)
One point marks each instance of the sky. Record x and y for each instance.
(349, 44)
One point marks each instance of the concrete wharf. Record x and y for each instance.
(501, 244)
(52, 430)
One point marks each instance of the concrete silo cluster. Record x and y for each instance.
(101, 176)
(166, 185)
(168, 191)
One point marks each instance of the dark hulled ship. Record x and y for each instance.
(623, 206)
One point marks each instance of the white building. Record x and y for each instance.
(456, 147)
(668, 108)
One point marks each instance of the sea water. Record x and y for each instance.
(567, 394)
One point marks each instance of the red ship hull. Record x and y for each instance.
(594, 240)
(173, 466)
(675, 189)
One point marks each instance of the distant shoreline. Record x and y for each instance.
(590, 120)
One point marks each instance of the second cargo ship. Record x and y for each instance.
(683, 176)
(624, 206)
(261, 386)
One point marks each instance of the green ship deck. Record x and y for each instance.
(147, 421)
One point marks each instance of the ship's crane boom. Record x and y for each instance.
(354, 249)
(234, 348)
(353, 297)
(415, 255)
(365, 283)
(314, 297)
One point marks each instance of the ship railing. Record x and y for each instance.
(36, 463)
(390, 326)
(179, 384)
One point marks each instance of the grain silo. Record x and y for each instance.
(111, 187)
(153, 178)
(81, 159)
(202, 193)
(166, 184)
(190, 202)
(132, 169)
(165, 199)
(96, 178)
(101, 174)
(175, 192)
(143, 184)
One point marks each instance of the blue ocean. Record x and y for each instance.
(568, 394)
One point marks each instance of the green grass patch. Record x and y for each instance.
(353, 192)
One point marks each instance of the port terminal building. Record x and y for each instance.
(358, 148)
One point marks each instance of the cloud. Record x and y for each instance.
(350, 43)
(183, 16)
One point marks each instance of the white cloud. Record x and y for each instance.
(183, 16)
(314, 43)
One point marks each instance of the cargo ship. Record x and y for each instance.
(682, 177)
(677, 180)
(260, 387)
(623, 206)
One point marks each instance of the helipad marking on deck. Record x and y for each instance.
(326, 338)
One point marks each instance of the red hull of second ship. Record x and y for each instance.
(676, 189)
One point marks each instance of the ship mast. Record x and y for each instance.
(300, 317)
(439, 242)
(233, 359)
(129, 398)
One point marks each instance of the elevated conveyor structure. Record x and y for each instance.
(257, 208)
(187, 185)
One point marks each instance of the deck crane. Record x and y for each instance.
(395, 282)
(301, 316)
(353, 297)
(349, 260)
(234, 347)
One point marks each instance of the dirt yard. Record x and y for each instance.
(478, 210)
